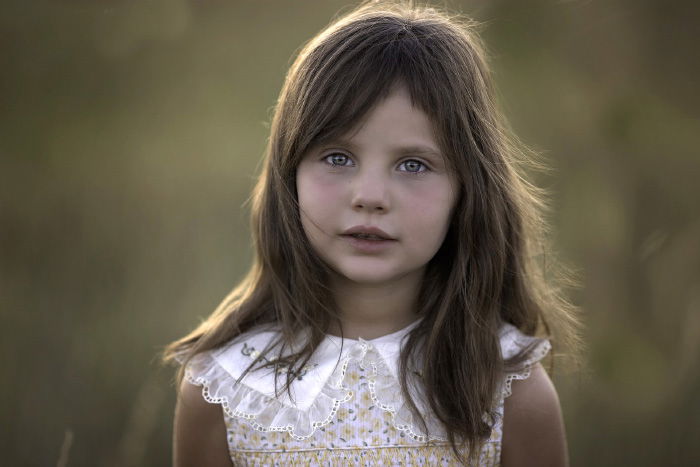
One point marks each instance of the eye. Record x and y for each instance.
(414, 166)
(337, 159)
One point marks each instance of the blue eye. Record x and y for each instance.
(337, 159)
(413, 166)
(410, 166)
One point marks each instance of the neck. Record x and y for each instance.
(374, 310)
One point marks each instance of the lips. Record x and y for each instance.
(367, 232)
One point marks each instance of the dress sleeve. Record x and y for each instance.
(513, 341)
(218, 386)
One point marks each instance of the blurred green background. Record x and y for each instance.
(130, 137)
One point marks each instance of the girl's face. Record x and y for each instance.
(387, 175)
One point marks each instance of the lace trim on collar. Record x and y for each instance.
(266, 413)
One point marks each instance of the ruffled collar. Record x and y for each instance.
(326, 364)
(320, 388)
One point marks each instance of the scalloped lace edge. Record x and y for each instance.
(537, 354)
(245, 396)
(271, 407)
(379, 368)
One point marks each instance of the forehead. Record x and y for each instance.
(396, 115)
(394, 120)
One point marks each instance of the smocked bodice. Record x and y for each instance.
(344, 407)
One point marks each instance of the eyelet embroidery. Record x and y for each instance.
(280, 368)
(289, 425)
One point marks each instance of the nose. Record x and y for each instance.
(370, 193)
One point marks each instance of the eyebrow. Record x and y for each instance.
(416, 149)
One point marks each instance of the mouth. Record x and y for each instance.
(368, 233)
(370, 237)
(368, 243)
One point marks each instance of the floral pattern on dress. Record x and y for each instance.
(360, 433)
(357, 416)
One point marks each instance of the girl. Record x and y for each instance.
(394, 298)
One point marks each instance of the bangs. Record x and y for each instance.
(357, 67)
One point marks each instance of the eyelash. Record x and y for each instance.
(422, 172)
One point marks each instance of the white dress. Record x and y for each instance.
(342, 411)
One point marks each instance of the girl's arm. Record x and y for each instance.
(533, 429)
(199, 434)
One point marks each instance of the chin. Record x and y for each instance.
(368, 280)
(367, 276)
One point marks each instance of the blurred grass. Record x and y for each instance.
(130, 135)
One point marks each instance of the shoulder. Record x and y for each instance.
(199, 428)
(533, 429)
(213, 379)
(199, 432)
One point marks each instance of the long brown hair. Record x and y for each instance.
(490, 268)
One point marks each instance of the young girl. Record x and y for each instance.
(391, 313)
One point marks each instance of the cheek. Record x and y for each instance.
(431, 204)
(318, 198)
(428, 216)
(313, 188)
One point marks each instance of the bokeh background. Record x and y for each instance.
(130, 137)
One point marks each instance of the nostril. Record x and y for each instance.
(370, 206)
